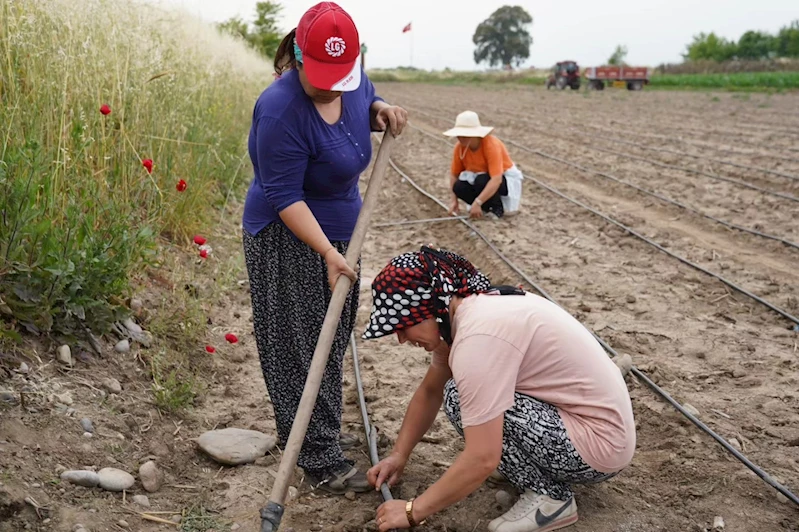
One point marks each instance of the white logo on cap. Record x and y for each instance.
(335, 46)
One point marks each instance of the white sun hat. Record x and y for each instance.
(467, 124)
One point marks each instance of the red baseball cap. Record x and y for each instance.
(330, 47)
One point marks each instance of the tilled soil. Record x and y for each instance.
(703, 342)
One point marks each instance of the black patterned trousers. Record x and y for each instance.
(537, 454)
(290, 295)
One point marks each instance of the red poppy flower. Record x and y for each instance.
(230, 337)
(148, 164)
(105, 109)
(181, 186)
(199, 240)
(204, 253)
(210, 348)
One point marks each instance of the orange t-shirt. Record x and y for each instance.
(491, 157)
(527, 344)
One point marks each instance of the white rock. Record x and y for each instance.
(136, 305)
(65, 398)
(691, 410)
(718, 523)
(65, 355)
(88, 435)
(78, 528)
(132, 326)
(150, 476)
(113, 479)
(123, 346)
(735, 443)
(293, 492)
(87, 479)
(782, 498)
(233, 446)
(123, 523)
(235, 527)
(23, 368)
(177, 518)
(112, 386)
(624, 363)
(141, 500)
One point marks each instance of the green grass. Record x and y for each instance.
(743, 81)
(457, 77)
(80, 213)
(754, 81)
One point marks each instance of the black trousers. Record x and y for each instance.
(469, 193)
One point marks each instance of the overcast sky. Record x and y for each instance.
(587, 31)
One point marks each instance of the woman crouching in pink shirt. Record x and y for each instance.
(528, 387)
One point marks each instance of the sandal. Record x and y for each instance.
(340, 479)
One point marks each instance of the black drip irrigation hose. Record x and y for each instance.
(649, 241)
(369, 429)
(652, 148)
(636, 187)
(655, 195)
(635, 371)
(669, 166)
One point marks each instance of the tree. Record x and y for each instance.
(756, 45)
(503, 38)
(788, 40)
(264, 35)
(618, 56)
(710, 46)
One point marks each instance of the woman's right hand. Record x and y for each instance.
(336, 266)
(454, 207)
(388, 469)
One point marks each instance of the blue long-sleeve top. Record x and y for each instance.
(297, 156)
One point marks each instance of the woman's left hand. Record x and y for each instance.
(393, 115)
(391, 514)
(476, 211)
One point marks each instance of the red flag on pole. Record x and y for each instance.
(406, 28)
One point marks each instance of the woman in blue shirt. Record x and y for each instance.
(309, 143)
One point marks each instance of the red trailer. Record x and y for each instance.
(634, 78)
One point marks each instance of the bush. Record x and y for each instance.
(80, 210)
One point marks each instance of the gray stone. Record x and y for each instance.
(78, 528)
(87, 479)
(151, 477)
(112, 386)
(718, 523)
(136, 305)
(64, 355)
(350, 495)
(293, 493)
(235, 527)
(735, 443)
(141, 500)
(88, 435)
(123, 523)
(782, 498)
(504, 498)
(631, 299)
(86, 424)
(123, 346)
(232, 446)
(9, 398)
(112, 479)
(65, 399)
(23, 368)
(177, 518)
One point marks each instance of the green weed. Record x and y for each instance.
(80, 212)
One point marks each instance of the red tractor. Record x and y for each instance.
(564, 74)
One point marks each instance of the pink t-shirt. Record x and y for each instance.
(527, 344)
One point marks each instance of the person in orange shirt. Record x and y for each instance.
(482, 174)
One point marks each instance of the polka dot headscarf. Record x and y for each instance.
(419, 285)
